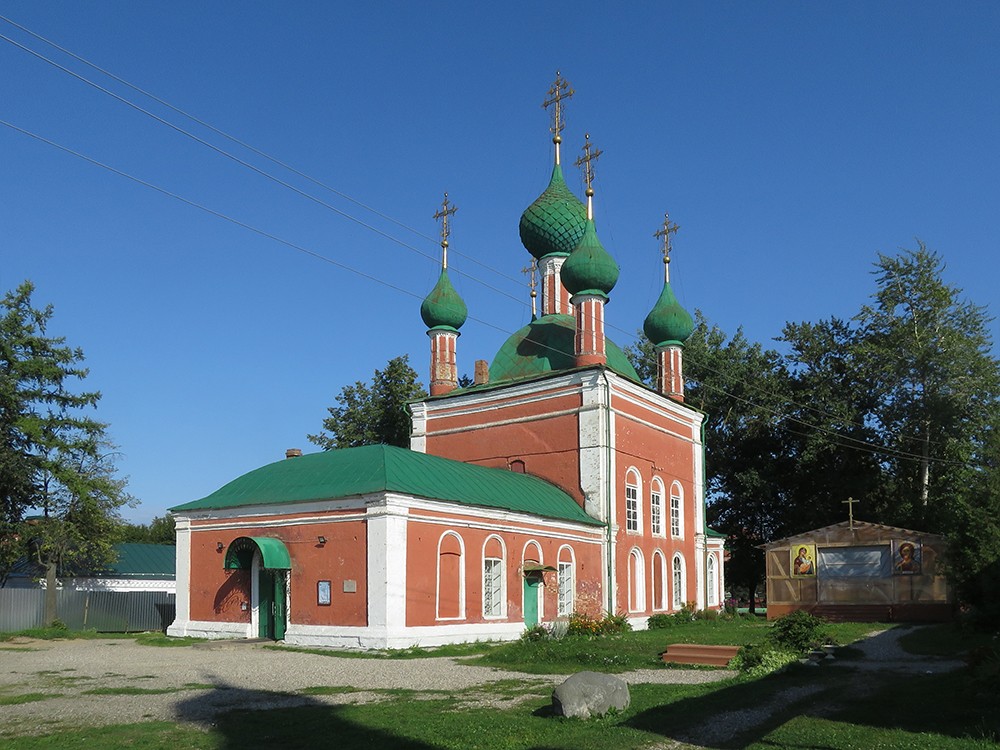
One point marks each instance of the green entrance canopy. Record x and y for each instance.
(273, 553)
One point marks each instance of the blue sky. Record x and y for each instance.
(791, 141)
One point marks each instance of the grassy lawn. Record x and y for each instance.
(828, 707)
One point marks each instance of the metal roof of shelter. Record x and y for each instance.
(330, 475)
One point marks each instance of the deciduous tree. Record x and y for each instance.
(373, 412)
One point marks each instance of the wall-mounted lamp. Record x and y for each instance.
(219, 546)
(322, 539)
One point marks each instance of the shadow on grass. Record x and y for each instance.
(948, 705)
(243, 719)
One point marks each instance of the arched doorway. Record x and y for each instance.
(268, 561)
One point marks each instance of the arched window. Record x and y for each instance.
(567, 581)
(494, 577)
(636, 582)
(679, 592)
(656, 507)
(676, 510)
(712, 581)
(659, 581)
(633, 502)
(450, 577)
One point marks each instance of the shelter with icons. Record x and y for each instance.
(859, 571)
(557, 482)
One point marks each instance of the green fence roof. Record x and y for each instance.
(375, 468)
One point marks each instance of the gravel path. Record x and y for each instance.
(204, 680)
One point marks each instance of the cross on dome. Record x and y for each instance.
(668, 229)
(586, 162)
(557, 92)
(446, 211)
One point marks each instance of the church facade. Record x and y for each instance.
(556, 483)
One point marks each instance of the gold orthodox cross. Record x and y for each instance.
(586, 162)
(849, 502)
(559, 90)
(530, 270)
(668, 229)
(446, 211)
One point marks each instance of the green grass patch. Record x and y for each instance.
(329, 690)
(129, 690)
(14, 700)
(812, 732)
(414, 652)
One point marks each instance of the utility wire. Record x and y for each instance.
(230, 219)
(222, 152)
(252, 167)
(249, 147)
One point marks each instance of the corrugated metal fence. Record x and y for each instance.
(104, 611)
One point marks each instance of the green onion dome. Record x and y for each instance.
(590, 269)
(554, 223)
(443, 308)
(668, 322)
(545, 346)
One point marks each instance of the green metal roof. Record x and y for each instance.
(546, 345)
(375, 468)
(443, 307)
(273, 552)
(668, 322)
(590, 269)
(554, 223)
(144, 561)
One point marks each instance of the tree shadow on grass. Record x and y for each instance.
(947, 704)
(246, 719)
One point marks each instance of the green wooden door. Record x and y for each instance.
(532, 583)
(279, 605)
(265, 604)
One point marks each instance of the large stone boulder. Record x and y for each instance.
(587, 694)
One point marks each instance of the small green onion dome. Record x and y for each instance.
(443, 308)
(554, 223)
(668, 322)
(590, 268)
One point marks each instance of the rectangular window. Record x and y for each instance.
(675, 515)
(565, 589)
(492, 587)
(631, 508)
(655, 517)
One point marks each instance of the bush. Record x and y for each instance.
(583, 624)
(537, 633)
(799, 631)
(660, 621)
(758, 660)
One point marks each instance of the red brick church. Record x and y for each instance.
(557, 482)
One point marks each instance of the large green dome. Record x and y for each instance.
(443, 308)
(668, 322)
(546, 345)
(590, 269)
(554, 223)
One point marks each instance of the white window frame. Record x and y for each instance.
(633, 501)
(660, 559)
(676, 510)
(636, 581)
(493, 599)
(656, 507)
(712, 580)
(677, 583)
(461, 577)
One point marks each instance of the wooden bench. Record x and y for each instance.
(693, 653)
